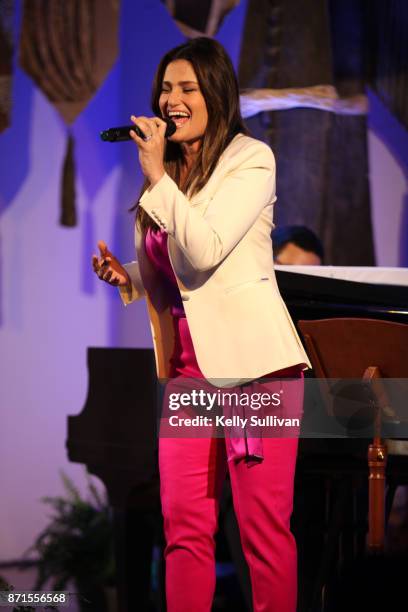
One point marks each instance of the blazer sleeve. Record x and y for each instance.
(136, 290)
(246, 188)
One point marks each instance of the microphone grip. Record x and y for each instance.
(121, 133)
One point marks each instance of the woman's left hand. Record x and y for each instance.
(151, 149)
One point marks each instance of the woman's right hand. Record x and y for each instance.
(108, 268)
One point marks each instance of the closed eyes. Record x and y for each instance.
(184, 90)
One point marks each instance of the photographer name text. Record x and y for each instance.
(235, 421)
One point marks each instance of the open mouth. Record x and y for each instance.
(180, 118)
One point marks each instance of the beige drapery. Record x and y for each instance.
(68, 47)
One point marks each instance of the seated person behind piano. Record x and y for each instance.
(296, 245)
(202, 236)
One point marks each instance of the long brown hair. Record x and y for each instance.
(219, 86)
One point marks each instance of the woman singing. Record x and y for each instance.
(205, 266)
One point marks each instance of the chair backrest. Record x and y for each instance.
(346, 347)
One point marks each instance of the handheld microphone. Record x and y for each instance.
(121, 133)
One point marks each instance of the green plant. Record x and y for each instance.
(77, 544)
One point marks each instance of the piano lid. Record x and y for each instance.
(318, 292)
(360, 274)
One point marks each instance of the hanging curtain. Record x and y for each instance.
(313, 52)
(68, 47)
(6, 59)
(388, 52)
(201, 17)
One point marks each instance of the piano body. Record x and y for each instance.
(331, 493)
(115, 434)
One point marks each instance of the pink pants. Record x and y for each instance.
(192, 471)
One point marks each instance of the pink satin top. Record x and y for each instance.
(183, 361)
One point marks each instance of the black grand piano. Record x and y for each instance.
(115, 434)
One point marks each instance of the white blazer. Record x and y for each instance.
(221, 252)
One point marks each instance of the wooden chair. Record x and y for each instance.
(369, 349)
